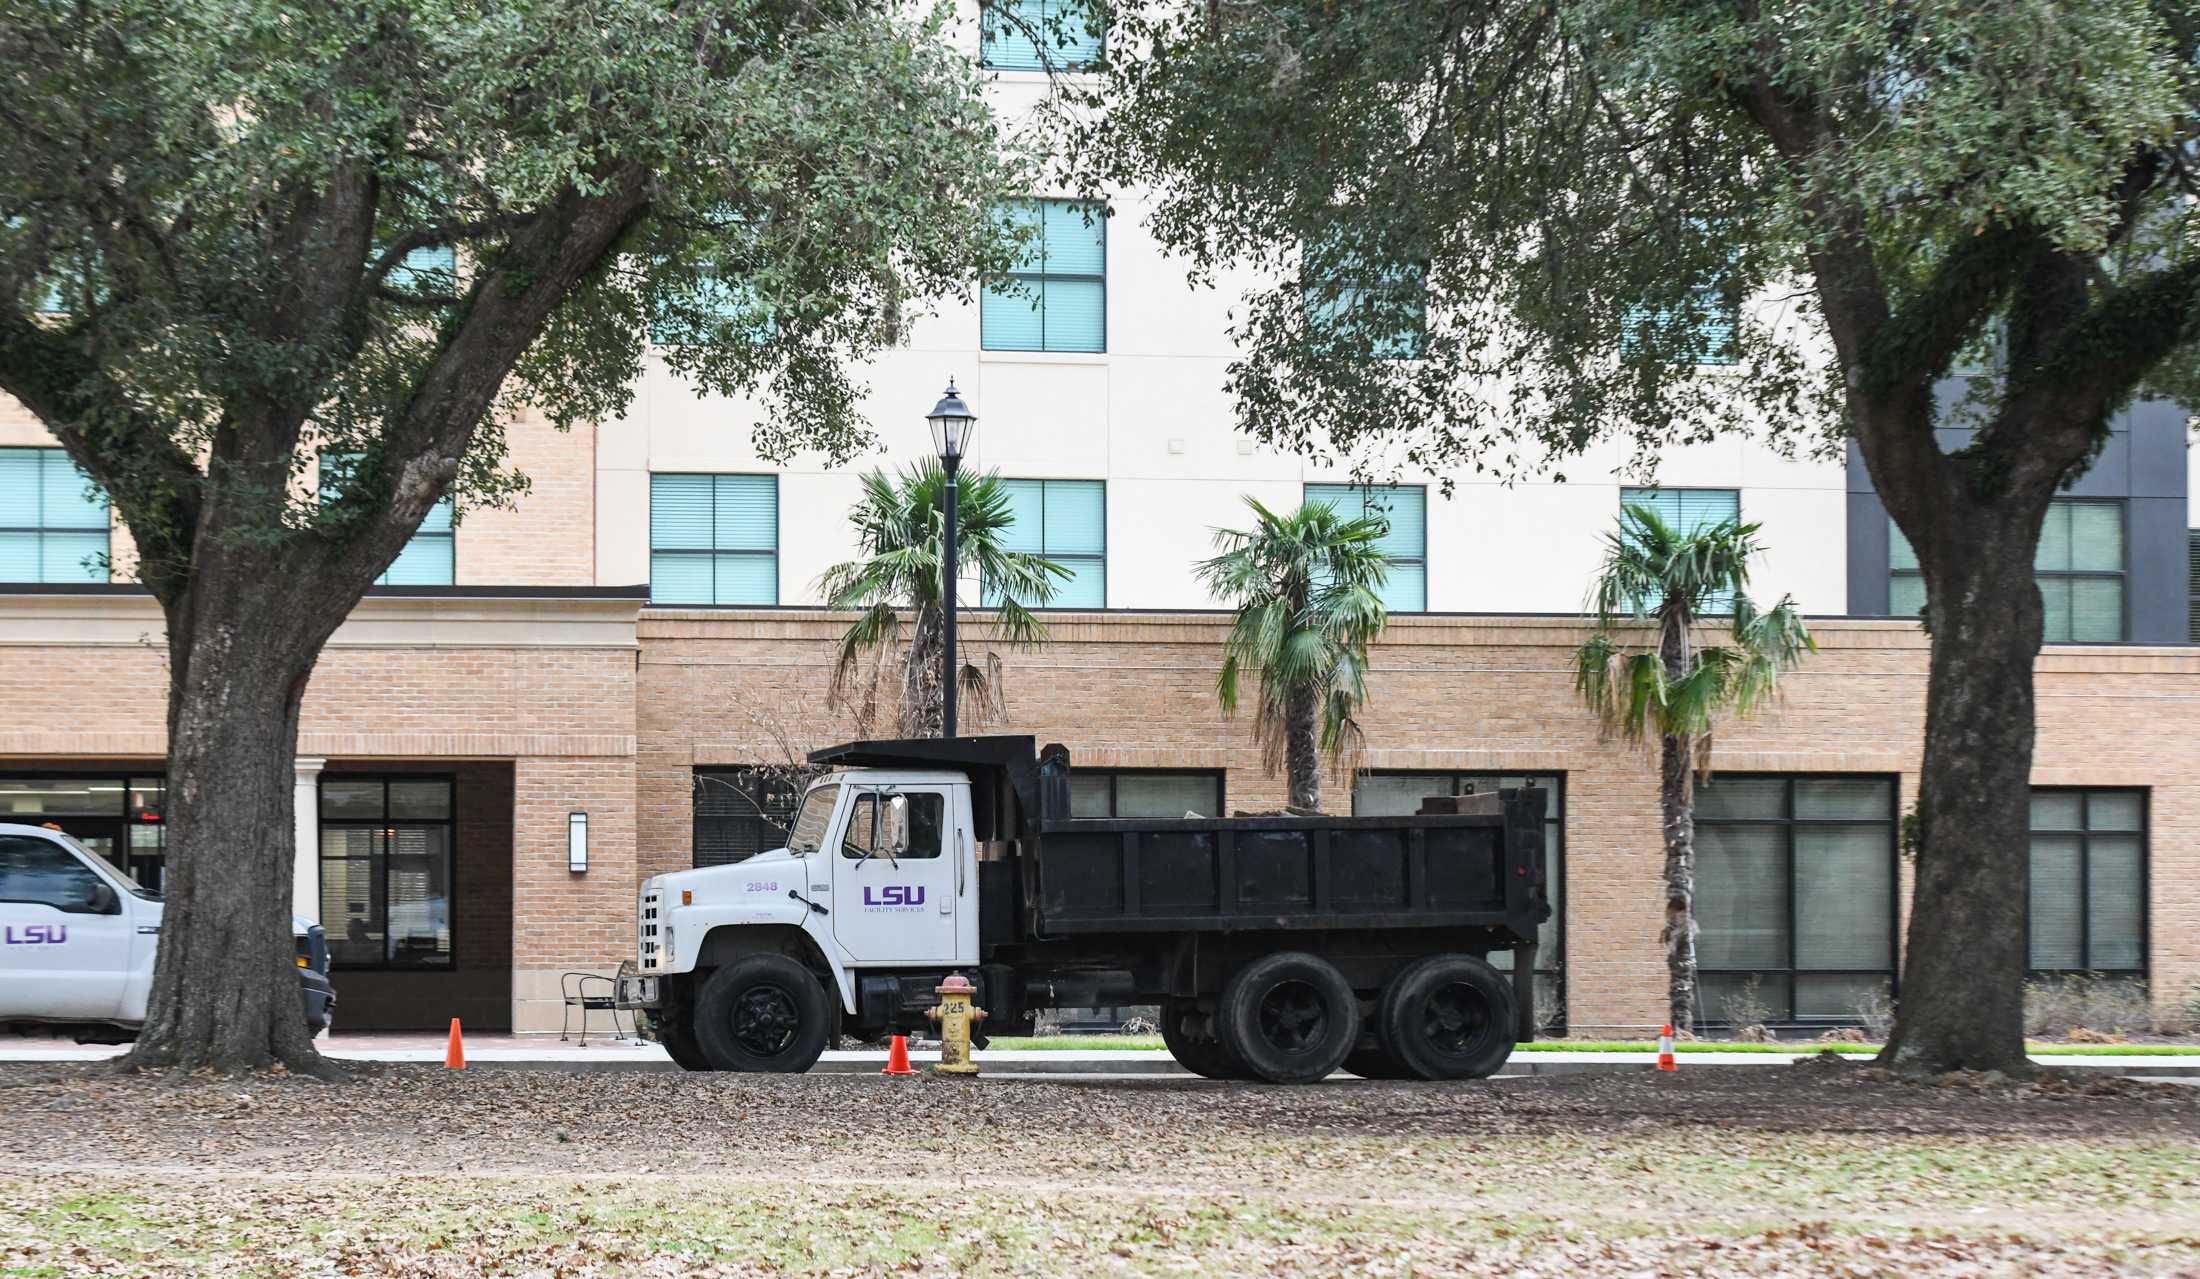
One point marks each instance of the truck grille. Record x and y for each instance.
(649, 929)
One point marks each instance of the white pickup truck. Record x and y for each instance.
(77, 939)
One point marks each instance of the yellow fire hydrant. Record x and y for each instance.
(956, 1015)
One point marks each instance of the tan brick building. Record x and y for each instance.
(642, 627)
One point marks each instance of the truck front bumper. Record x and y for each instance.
(635, 990)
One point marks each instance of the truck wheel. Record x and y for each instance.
(679, 1041)
(1288, 1018)
(1203, 1055)
(765, 1014)
(1447, 1017)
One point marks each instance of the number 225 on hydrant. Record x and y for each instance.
(957, 1015)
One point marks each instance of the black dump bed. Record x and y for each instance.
(1480, 869)
(1475, 870)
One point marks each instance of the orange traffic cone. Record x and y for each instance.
(454, 1057)
(1665, 1050)
(897, 1058)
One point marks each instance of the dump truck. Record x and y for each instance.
(1278, 948)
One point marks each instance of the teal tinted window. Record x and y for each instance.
(430, 558)
(1067, 522)
(1700, 333)
(53, 519)
(432, 271)
(714, 310)
(1405, 506)
(1392, 305)
(1689, 512)
(1038, 35)
(2079, 567)
(714, 539)
(1056, 299)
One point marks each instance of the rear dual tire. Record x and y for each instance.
(1287, 1018)
(1445, 1017)
(1188, 1034)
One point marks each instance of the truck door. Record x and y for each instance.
(894, 877)
(65, 935)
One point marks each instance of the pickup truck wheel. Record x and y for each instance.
(765, 1014)
(1203, 1055)
(679, 1041)
(1448, 1017)
(1288, 1018)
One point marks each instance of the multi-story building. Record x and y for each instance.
(645, 628)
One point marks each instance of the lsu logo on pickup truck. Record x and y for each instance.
(35, 934)
(894, 895)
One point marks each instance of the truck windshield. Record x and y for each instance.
(808, 833)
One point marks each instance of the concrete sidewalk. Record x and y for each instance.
(536, 1052)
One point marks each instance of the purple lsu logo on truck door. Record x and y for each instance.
(894, 895)
(36, 934)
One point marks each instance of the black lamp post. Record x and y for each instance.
(953, 425)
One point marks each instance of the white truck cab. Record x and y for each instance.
(878, 872)
(77, 940)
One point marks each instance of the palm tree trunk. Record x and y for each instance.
(1679, 934)
(1301, 753)
(1676, 799)
(923, 706)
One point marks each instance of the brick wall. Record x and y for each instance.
(1128, 690)
(549, 538)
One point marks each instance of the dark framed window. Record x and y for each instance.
(1405, 506)
(1039, 35)
(1127, 792)
(54, 522)
(740, 812)
(2087, 900)
(1057, 297)
(1400, 794)
(1795, 896)
(387, 862)
(714, 539)
(2080, 566)
(431, 557)
(118, 816)
(1067, 522)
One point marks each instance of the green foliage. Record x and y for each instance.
(223, 196)
(1648, 682)
(1553, 167)
(900, 529)
(1304, 585)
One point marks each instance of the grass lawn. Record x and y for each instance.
(416, 1173)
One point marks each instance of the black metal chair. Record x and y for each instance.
(590, 993)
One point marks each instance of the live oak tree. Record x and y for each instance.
(238, 235)
(1584, 193)
(1652, 678)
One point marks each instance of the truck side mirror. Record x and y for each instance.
(99, 899)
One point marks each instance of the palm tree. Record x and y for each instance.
(1656, 682)
(1304, 586)
(899, 522)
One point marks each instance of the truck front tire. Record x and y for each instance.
(763, 1014)
(1448, 1017)
(1288, 1018)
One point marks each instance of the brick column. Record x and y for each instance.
(564, 921)
(305, 879)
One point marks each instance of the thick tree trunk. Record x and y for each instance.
(1962, 997)
(1302, 763)
(225, 982)
(1679, 934)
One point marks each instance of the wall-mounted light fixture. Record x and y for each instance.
(576, 843)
